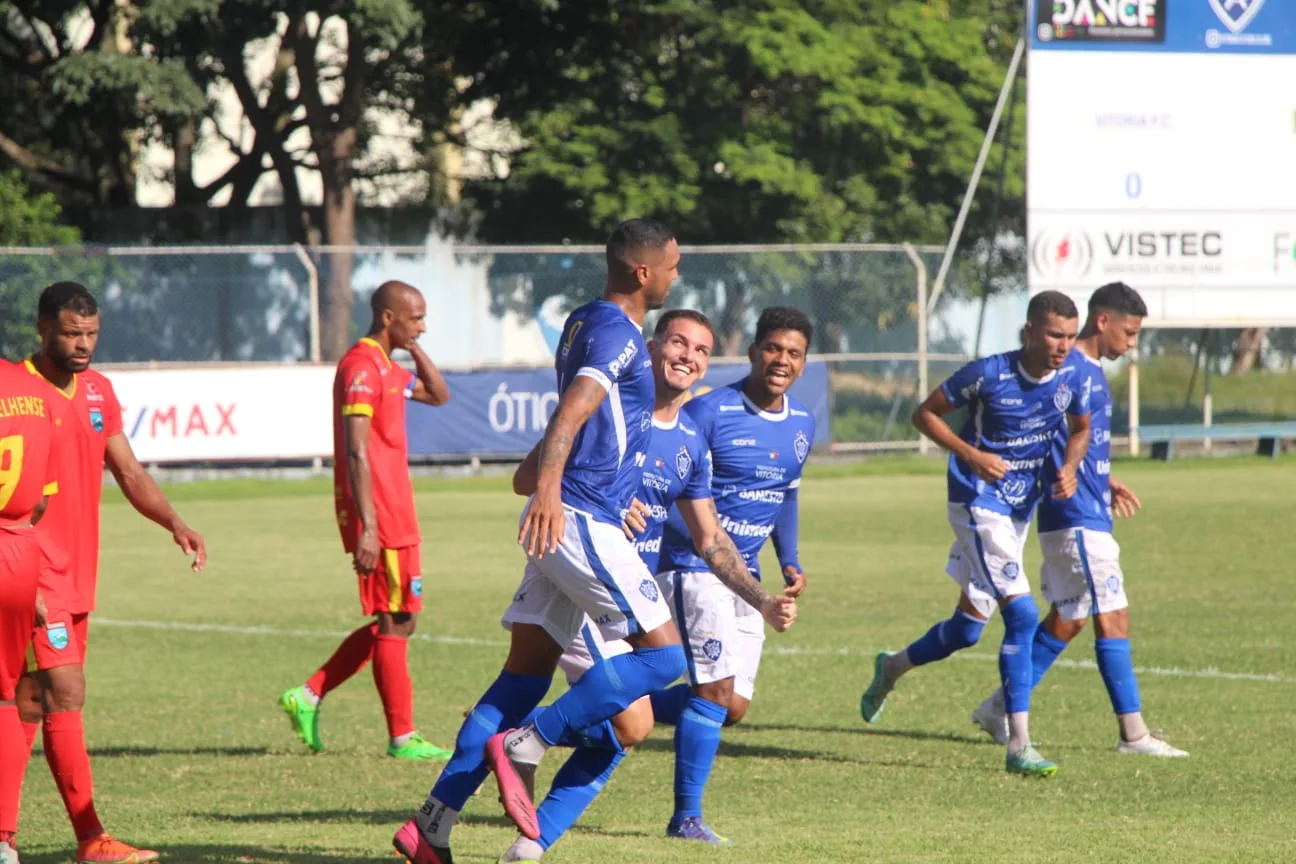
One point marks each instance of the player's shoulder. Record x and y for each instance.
(707, 401)
(797, 409)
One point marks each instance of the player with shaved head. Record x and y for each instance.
(374, 500)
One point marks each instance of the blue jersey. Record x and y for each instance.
(756, 459)
(678, 465)
(1090, 506)
(1015, 417)
(599, 341)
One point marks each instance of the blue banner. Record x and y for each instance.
(503, 413)
(1205, 26)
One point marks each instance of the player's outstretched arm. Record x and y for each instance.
(142, 491)
(360, 473)
(430, 386)
(929, 419)
(1076, 447)
(722, 557)
(544, 524)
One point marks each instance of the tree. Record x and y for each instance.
(26, 219)
(742, 121)
(82, 97)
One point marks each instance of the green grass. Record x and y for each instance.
(192, 756)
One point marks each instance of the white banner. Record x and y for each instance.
(226, 413)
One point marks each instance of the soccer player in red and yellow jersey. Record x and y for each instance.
(374, 500)
(92, 437)
(28, 473)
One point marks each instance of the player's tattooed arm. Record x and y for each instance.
(544, 524)
(718, 550)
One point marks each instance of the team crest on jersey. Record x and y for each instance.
(96, 419)
(57, 634)
(711, 649)
(801, 444)
(648, 588)
(1062, 397)
(416, 587)
(1011, 571)
(683, 462)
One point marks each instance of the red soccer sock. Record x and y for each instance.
(350, 657)
(30, 731)
(391, 674)
(13, 762)
(65, 750)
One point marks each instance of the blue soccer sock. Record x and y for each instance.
(608, 688)
(697, 740)
(668, 704)
(1020, 616)
(1117, 669)
(503, 705)
(576, 784)
(1045, 649)
(960, 631)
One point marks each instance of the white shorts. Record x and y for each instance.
(1081, 573)
(588, 648)
(722, 634)
(596, 572)
(986, 558)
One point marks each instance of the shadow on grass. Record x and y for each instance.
(132, 752)
(394, 819)
(740, 750)
(912, 734)
(227, 854)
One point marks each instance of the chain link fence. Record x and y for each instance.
(886, 341)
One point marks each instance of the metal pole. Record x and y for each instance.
(1208, 404)
(939, 284)
(921, 268)
(312, 278)
(1133, 402)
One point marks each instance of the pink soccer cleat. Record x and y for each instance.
(512, 788)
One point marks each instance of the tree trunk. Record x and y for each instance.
(732, 327)
(184, 142)
(337, 155)
(1247, 350)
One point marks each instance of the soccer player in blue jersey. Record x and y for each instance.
(1081, 573)
(1016, 404)
(588, 470)
(678, 465)
(760, 437)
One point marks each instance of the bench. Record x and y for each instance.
(1269, 436)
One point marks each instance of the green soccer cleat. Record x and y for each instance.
(874, 698)
(1029, 763)
(303, 716)
(419, 749)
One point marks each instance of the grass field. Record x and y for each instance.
(192, 756)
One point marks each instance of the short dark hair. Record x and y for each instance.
(1048, 303)
(1119, 298)
(632, 237)
(783, 318)
(675, 314)
(66, 295)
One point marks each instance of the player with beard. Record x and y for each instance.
(52, 698)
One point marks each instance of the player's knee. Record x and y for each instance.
(963, 630)
(1020, 614)
(1112, 625)
(64, 691)
(737, 711)
(633, 725)
(28, 700)
(1060, 628)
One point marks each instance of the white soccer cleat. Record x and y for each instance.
(992, 719)
(523, 849)
(1150, 745)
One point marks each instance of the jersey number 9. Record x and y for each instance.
(11, 462)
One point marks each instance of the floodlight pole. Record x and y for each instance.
(939, 284)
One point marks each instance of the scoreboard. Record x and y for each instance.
(1161, 152)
